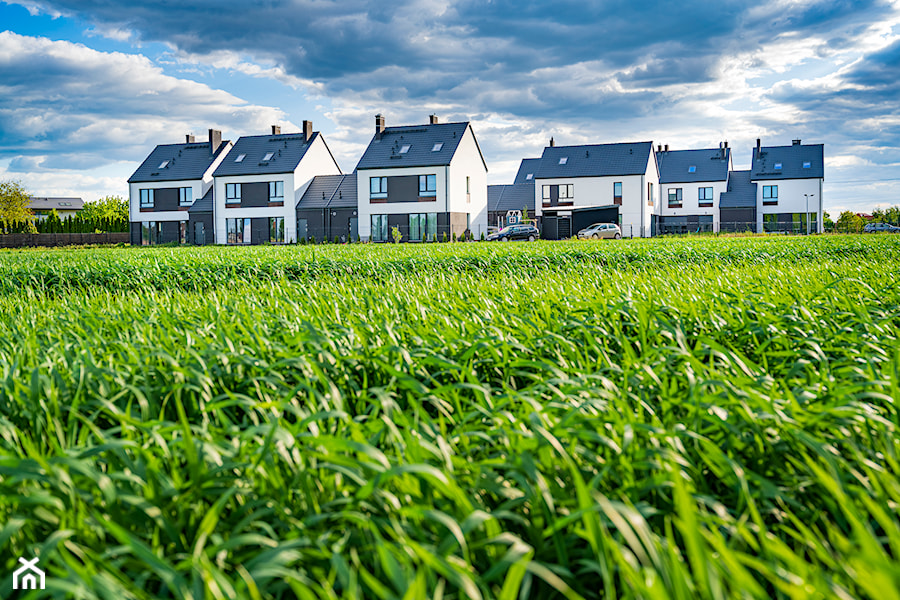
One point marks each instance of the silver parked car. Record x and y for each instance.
(880, 228)
(600, 231)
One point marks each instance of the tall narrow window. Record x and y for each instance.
(232, 193)
(146, 198)
(649, 194)
(468, 190)
(545, 192)
(276, 230)
(427, 186)
(276, 191)
(770, 195)
(185, 196)
(378, 187)
(617, 193)
(237, 231)
(183, 231)
(379, 228)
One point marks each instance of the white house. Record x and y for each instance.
(789, 184)
(260, 182)
(618, 178)
(167, 184)
(690, 184)
(426, 180)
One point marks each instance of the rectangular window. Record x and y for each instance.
(468, 190)
(807, 165)
(649, 194)
(379, 228)
(617, 193)
(418, 225)
(150, 233)
(185, 196)
(268, 156)
(770, 195)
(232, 193)
(431, 226)
(705, 197)
(238, 231)
(276, 230)
(146, 198)
(427, 185)
(437, 147)
(276, 191)
(566, 191)
(182, 231)
(545, 192)
(378, 187)
(675, 198)
(770, 223)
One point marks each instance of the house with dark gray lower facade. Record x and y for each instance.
(789, 183)
(690, 183)
(261, 181)
(165, 187)
(328, 209)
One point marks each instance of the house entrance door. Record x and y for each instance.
(199, 234)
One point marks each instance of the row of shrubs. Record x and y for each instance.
(72, 224)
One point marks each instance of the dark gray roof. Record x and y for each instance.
(709, 165)
(39, 203)
(204, 204)
(741, 191)
(185, 161)
(287, 149)
(792, 159)
(526, 167)
(330, 191)
(383, 151)
(599, 160)
(511, 197)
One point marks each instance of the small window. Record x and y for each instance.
(276, 191)
(545, 192)
(404, 149)
(268, 156)
(378, 187)
(427, 185)
(240, 158)
(777, 166)
(563, 160)
(232, 193)
(530, 176)
(692, 169)
(146, 198)
(185, 196)
(163, 164)
(807, 165)
(617, 193)
(437, 147)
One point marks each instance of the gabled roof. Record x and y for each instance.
(330, 191)
(36, 203)
(528, 166)
(791, 158)
(287, 150)
(177, 162)
(511, 197)
(599, 160)
(428, 146)
(204, 204)
(693, 166)
(741, 191)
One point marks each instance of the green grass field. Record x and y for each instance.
(675, 418)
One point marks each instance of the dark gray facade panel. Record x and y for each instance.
(259, 230)
(582, 218)
(737, 219)
(169, 232)
(315, 224)
(135, 227)
(404, 188)
(254, 195)
(165, 199)
(550, 230)
(200, 229)
(401, 222)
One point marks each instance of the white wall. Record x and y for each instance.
(467, 162)
(791, 199)
(441, 204)
(690, 200)
(134, 201)
(598, 191)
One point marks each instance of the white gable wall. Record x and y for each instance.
(790, 199)
(467, 162)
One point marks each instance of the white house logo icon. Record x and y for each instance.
(28, 576)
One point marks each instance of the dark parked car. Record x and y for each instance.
(516, 232)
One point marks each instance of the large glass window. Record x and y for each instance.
(770, 195)
(427, 185)
(422, 225)
(379, 228)
(185, 196)
(617, 193)
(146, 198)
(183, 231)
(232, 193)
(378, 187)
(276, 230)
(150, 233)
(238, 231)
(276, 191)
(675, 198)
(770, 223)
(705, 196)
(649, 194)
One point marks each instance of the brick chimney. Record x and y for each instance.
(758, 147)
(796, 142)
(307, 130)
(215, 140)
(189, 139)
(276, 130)
(552, 142)
(379, 124)
(433, 120)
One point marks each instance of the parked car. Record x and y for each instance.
(880, 228)
(600, 231)
(516, 232)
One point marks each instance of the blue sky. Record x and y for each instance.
(89, 87)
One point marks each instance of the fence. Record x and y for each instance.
(20, 240)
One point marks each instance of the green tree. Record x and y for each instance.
(109, 207)
(827, 222)
(14, 205)
(850, 222)
(395, 233)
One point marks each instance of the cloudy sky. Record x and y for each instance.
(89, 87)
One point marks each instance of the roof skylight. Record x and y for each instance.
(163, 164)
(777, 166)
(268, 156)
(437, 147)
(404, 149)
(529, 176)
(807, 165)
(692, 169)
(240, 158)
(563, 160)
